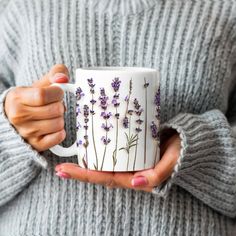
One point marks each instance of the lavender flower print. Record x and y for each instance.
(93, 101)
(138, 113)
(130, 138)
(79, 94)
(86, 143)
(155, 126)
(115, 101)
(146, 84)
(105, 126)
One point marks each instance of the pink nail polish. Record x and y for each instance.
(60, 78)
(63, 175)
(58, 167)
(139, 181)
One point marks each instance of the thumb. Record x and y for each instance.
(58, 74)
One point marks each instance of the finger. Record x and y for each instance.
(86, 175)
(163, 169)
(58, 74)
(38, 96)
(108, 179)
(50, 111)
(41, 127)
(48, 141)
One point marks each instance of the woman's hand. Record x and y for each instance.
(36, 112)
(141, 180)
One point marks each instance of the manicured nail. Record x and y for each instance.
(63, 175)
(60, 78)
(139, 181)
(58, 168)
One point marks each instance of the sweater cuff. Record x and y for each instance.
(10, 139)
(201, 135)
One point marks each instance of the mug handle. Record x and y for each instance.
(59, 150)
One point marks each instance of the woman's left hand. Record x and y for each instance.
(142, 180)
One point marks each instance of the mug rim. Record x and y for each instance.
(118, 69)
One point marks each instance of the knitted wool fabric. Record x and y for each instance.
(193, 44)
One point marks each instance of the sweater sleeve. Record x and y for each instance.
(19, 163)
(207, 163)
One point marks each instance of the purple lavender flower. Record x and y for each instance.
(115, 102)
(157, 103)
(154, 130)
(91, 85)
(92, 101)
(86, 120)
(116, 84)
(138, 130)
(138, 111)
(146, 84)
(106, 127)
(79, 93)
(103, 99)
(86, 111)
(126, 98)
(139, 121)
(106, 115)
(79, 142)
(126, 122)
(105, 140)
(77, 110)
(136, 104)
(116, 96)
(128, 111)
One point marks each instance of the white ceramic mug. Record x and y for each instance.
(118, 110)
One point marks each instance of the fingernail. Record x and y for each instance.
(63, 175)
(139, 181)
(58, 167)
(60, 78)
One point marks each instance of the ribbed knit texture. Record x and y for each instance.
(193, 44)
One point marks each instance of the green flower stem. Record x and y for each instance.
(86, 148)
(94, 145)
(136, 148)
(145, 133)
(117, 134)
(129, 138)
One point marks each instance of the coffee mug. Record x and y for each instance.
(117, 118)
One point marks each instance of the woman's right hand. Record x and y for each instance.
(37, 112)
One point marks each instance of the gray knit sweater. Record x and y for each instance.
(193, 44)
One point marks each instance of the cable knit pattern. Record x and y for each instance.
(193, 44)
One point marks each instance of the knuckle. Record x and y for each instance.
(28, 132)
(35, 143)
(61, 136)
(39, 95)
(15, 114)
(58, 109)
(60, 123)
